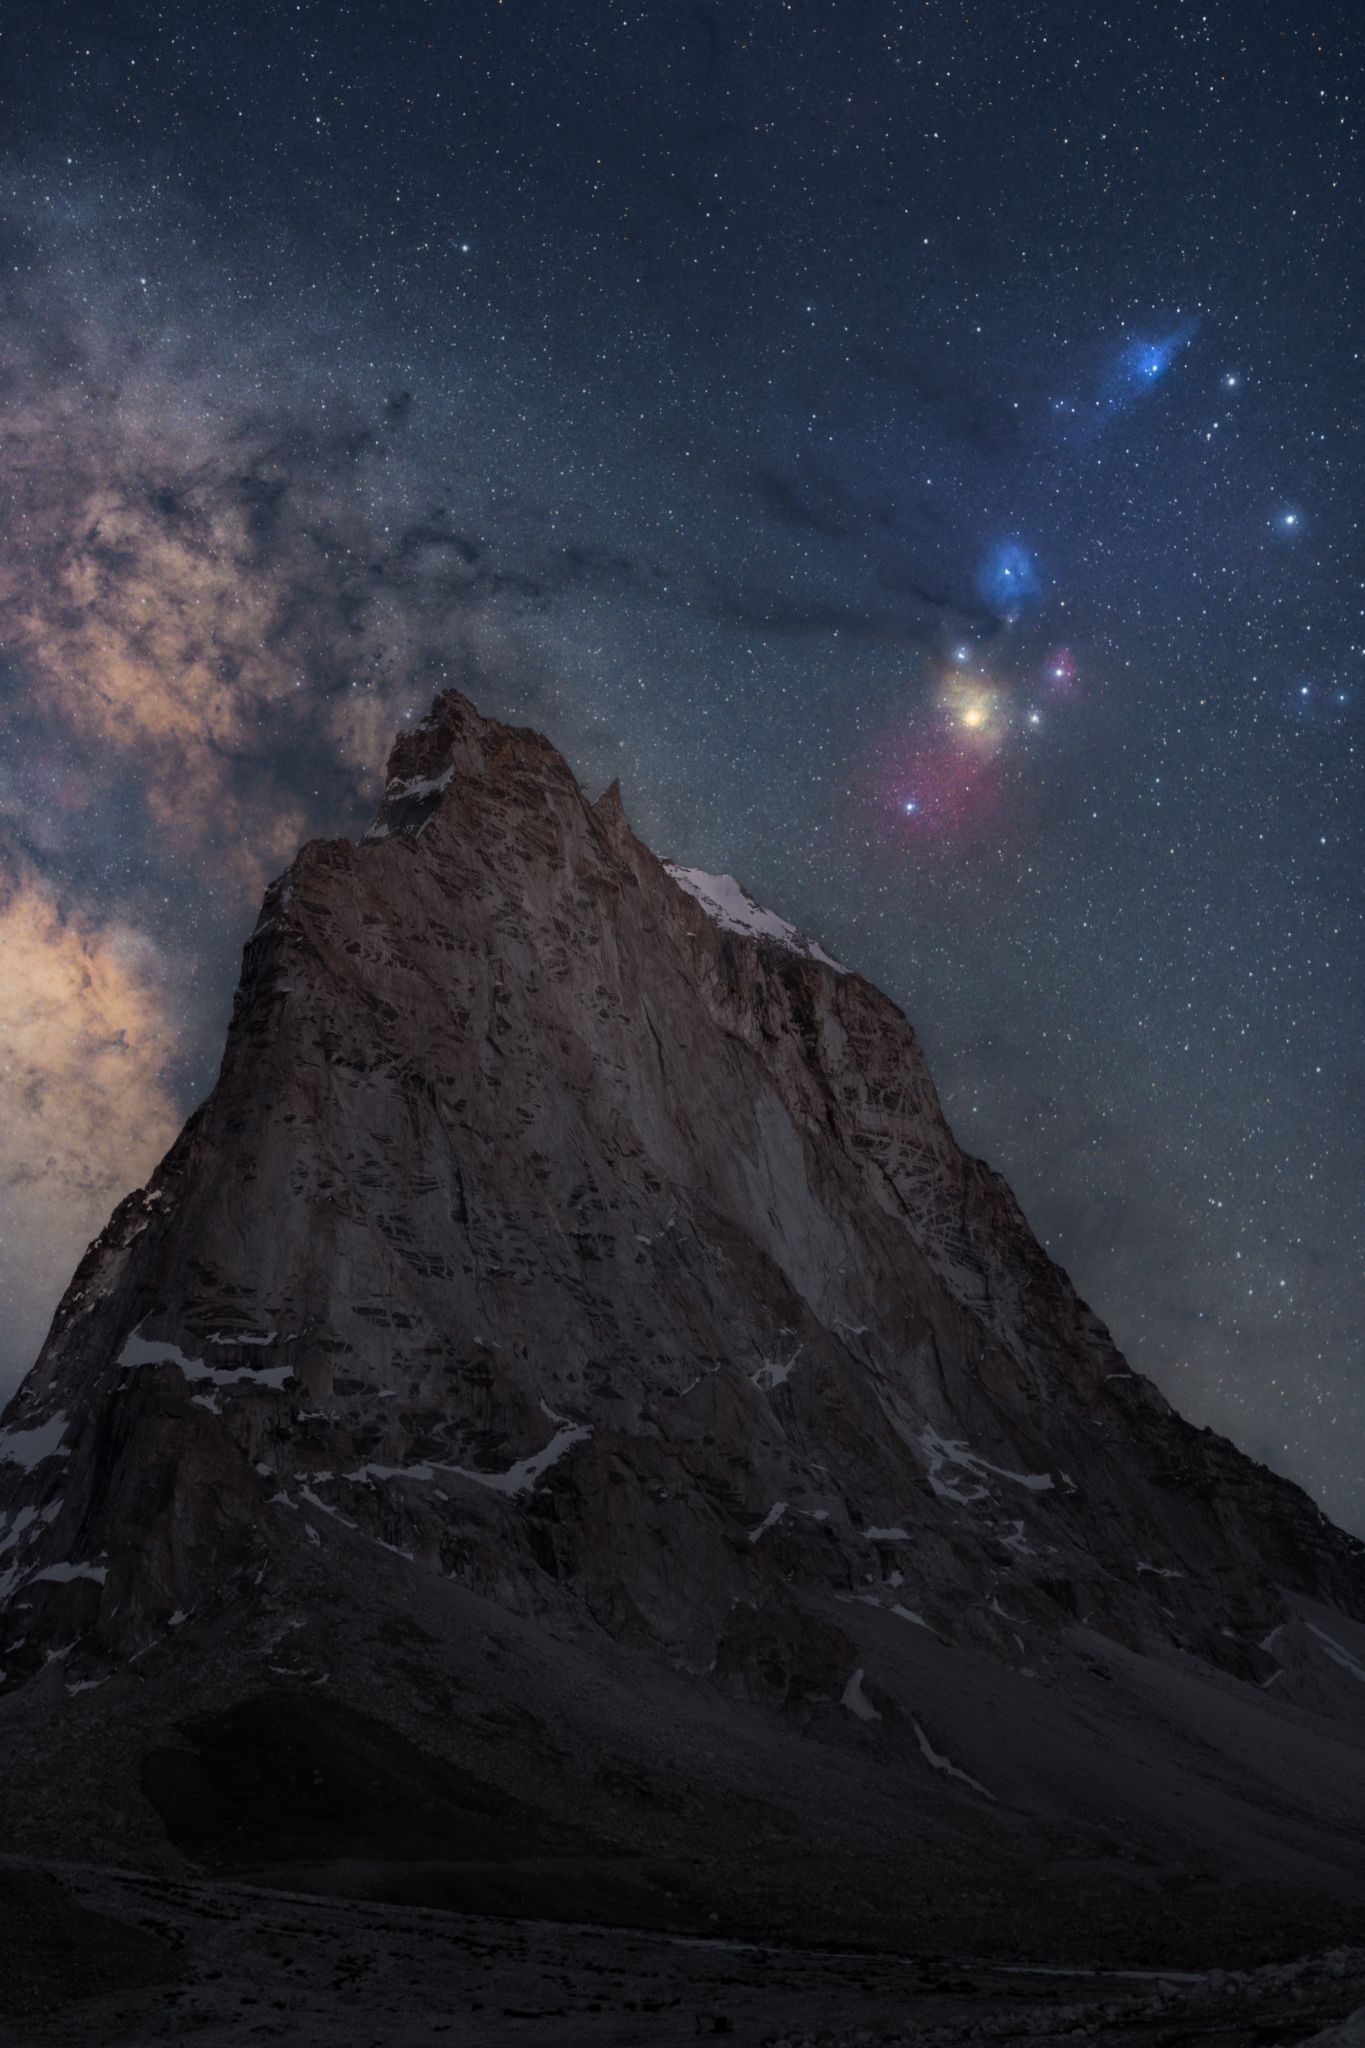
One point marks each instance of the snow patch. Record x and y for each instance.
(315, 1500)
(138, 1350)
(770, 1520)
(886, 1535)
(13, 1530)
(28, 1447)
(731, 907)
(940, 1451)
(365, 1475)
(521, 1477)
(941, 1763)
(1339, 1654)
(307, 1494)
(707, 1373)
(411, 790)
(856, 1700)
(774, 1373)
(62, 1574)
(401, 790)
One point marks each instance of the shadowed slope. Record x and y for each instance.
(593, 1287)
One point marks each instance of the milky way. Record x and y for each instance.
(920, 460)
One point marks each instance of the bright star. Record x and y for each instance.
(1143, 363)
(1009, 579)
(1291, 519)
(975, 711)
(1060, 669)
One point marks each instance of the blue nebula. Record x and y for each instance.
(1144, 362)
(1008, 579)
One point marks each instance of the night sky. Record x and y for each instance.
(917, 448)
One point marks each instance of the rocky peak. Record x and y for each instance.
(728, 904)
(568, 1234)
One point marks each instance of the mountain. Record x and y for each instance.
(566, 1429)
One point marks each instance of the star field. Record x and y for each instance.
(918, 452)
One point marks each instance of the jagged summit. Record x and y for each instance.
(571, 1331)
(731, 906)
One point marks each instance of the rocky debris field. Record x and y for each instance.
(104, 1956)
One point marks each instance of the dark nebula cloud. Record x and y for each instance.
(993, 422)
(778, 612)
(822, 505)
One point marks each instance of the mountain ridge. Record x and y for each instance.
(551, 1250)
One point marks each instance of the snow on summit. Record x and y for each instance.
(728, 904)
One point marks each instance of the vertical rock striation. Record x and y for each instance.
(566, 1233)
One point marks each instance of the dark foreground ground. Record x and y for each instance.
(93, 1956)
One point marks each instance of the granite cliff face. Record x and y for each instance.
(570, 1294)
